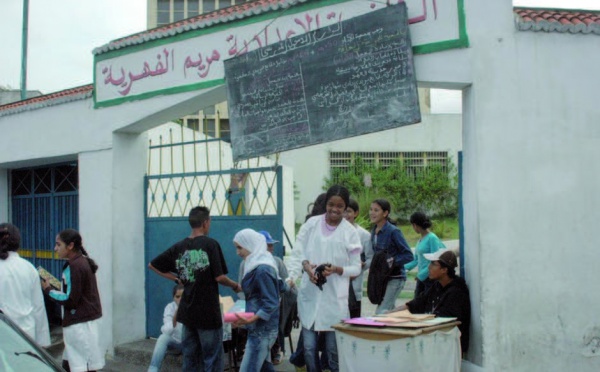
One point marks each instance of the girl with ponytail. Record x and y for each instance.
(81, 302)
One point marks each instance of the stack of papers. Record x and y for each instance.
(401, 319)
(407, 315)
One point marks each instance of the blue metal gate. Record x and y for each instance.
(243, 195)
(44, 202)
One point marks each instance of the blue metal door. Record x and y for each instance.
(44, 202)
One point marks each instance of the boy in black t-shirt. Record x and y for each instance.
(200, 267)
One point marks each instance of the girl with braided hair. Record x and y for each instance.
(81, 304)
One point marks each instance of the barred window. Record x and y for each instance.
(414, 161)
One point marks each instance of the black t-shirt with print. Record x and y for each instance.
(197, 262)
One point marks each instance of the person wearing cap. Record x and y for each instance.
(449, 295)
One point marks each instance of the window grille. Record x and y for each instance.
(414, 161)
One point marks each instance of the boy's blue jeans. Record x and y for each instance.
(164, 343)
(203, 350)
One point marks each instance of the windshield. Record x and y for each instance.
(17, 354)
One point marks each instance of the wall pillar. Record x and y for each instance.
(95, 226)
(130, 154)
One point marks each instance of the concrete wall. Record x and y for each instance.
(95, 225)
(535, 108)
(311, 164)
(529, 143)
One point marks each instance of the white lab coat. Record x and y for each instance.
(21, 297)
(342, 248)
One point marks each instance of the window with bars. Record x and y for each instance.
(414, 161)
(45, 180)
(169, 11)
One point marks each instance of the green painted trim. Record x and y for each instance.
(94, 81)
(440, 46)
(461, 42)
(172, 90)
(462, 23)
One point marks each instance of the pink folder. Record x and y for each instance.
(364, 322)
(230, 317)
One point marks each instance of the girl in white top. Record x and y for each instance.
(325, 239)
(21, 297)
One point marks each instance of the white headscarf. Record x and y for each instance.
(256, 244)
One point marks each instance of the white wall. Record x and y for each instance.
(311, 164)
(95, 221)
(128, 169)
(537, 140)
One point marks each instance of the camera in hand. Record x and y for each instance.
(321, 279)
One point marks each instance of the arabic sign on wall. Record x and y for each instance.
(194, 60)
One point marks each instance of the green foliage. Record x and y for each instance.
(432, 189)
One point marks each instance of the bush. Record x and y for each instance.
(432, 189)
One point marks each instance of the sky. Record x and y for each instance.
(63, 33)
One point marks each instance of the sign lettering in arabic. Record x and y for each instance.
(194, 59)
(344, 80)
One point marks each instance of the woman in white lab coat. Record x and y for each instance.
(329, 240)
(21, 297)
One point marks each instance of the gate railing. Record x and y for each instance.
(187, 169)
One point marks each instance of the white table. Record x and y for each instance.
(372, 349)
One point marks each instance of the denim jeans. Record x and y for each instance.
(164, 343)
(203, 350)
(311, 350)
(257, 356)
(392, 290)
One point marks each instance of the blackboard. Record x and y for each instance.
(344, 80)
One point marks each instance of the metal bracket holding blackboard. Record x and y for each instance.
(350, 78)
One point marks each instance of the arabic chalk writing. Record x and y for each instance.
(342, 80)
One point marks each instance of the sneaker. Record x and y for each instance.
(277, 359)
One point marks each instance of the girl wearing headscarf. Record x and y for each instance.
(261, 287)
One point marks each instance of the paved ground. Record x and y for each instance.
(135, 357)
(134, 364)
